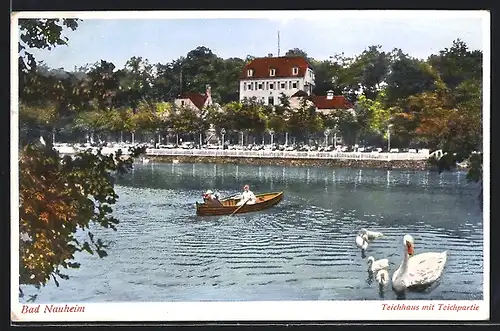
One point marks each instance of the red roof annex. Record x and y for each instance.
(283, 67)
(322, 101)
(337, 102)
(197, 99)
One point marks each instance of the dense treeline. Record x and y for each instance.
(435, 102)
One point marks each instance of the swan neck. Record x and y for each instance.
(405, 260)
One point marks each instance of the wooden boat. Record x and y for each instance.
(228, 205)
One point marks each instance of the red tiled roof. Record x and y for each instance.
(197, 98)
(283, 66)
(338, 102)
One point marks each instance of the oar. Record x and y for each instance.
(234, 212)
(230, 197)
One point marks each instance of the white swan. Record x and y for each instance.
(372, 234)
(374, 266)
(417, 271)
(144, 160)
(382, 277)
(362, 241)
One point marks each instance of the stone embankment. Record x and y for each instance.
(334, 163)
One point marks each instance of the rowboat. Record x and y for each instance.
(228, 206)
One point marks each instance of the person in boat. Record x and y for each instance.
(247, 196)
(211, 198)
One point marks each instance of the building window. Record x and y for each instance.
(250, 72)
(295, 71)
(271, 86)
(182, 103)
(250, 86)
(244, 86)
(267, 85)
(272, 72)
(294, 85)
(261, 86)
(271, 101)
(283, 86)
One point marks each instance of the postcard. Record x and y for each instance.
(250, 166)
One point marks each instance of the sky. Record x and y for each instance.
(162, 40)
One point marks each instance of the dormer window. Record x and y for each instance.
(295, 71)
(272, 72)
(250, 72)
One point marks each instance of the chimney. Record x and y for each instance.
(270, 55)
(329, 95)
(208, 93)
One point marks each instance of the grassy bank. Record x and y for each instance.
(334, 163)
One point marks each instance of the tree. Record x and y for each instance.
(373, 116)
(136, 82)
(296, 52)
(324, 72)
(407, 77)
(186, 120)
(348, 125)
(105, 84)
(219, 118)
(57, 199)
(370, 69)
(344, 80)
(457, 64)
(166, 82)
(41, 34)
(304, 120)
(228, 86)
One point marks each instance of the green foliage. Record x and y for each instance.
(41, 34)
(187, 120)
(59, 197)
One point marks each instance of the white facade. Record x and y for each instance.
(268, 90)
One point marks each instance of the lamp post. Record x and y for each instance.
(222, 132)
(335, 137)
(327, 133)
(389, 126)
(271, 133)
(286, 138)
(241, 138)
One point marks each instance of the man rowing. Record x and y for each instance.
(247, 197)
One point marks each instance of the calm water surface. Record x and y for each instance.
(302, 249)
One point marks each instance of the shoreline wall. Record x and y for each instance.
(334, 163)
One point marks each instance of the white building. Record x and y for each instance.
(195, 100)
(266, 78)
